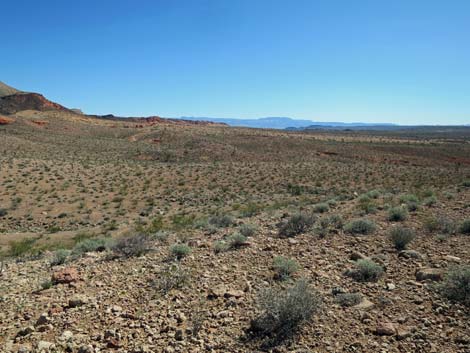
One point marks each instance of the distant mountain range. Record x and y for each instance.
(288, 123)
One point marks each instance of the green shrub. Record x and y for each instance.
(59, 257)
(247, 230)
(367, 271)
(21, 247)
(373, 194)
(456, 285)
(360, 226)
(89, 245)
(297, 224)
(284, 267)
(321, 207)
(336, 221)
(221, 221)
(430, 201)
(132, 245)
(283, 312)
(348, 299)
(179, 250)
(3, 212)
(401, 237)
(171, 277)
(411, 201)
(220, 246)
(397, 214)
(440, 224)
(465, 227)
(236, 240)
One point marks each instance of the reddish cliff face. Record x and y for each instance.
(26, 101)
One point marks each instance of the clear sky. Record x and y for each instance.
(402, 61)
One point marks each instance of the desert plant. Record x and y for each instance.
(89, 245)
(440, 224)
(321, 207)
(247, 230)
(456, 284)
(21, 247)
(221, 220)
(397, 214)
(297, 224)
(284, 268)
(179, 250)
(465, 227)
(236, 240)
(3, 212)
(132, 245)
(367, 271)
(401, 237)
(171, 277)
(348, 299)
(411, 201)
(360, 226)
(282, 312)
(220, 246)
(59, 257)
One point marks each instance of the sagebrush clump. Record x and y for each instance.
(282, 312)
(367, 271)
(401, 237)
(456, 285)
(360, 226)
(284, 268)
(132, 245)
(297, 224)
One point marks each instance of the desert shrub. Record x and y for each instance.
(182, 221)
(171, 277)
(401, 237)
(297, 224)
(247, 230)
(367, 271)
(456, 284)
(132, 245)
(3, 212)
(284, 268)
(283, 312)
(179, 250)
(430, 201)
(397, 214)
(81, 236)
(465, 227)
(21, 247)
(373, 194)
(321, 207)
(236, 240)
(336, 221)
(220, 246)
(155, 225)
(46, 284)
(348, 299)
(360, 226)
(89, 245)
(59, 257)
(440, 224)
(221, 221)
(466, 183)
(250, 209)
(411, 201)
(161, 236)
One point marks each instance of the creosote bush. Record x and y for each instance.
(397, 214)
(360, 226)
(282, 312)
(465, 227)
(348, 299)
(171, 277)
(456, 285)
(89, 245)
(297, 224)
(401, 237)
(321, 207)
(59, 257)
(247, 230)
(132, 245)
(221, 221)
(367, 271)
(284, 268)
(179, 250)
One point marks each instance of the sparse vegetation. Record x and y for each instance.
(397, 214)
(132, 245)
(465, 227)
(284, 268)
(360, 226)
(297, 224)
(348, 299)
(179, 250)
(401, 237)
(283, 312)
(456, 285)
(367, 271)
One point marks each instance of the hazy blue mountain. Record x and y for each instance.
(282, 123)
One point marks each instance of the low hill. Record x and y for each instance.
(6, 90)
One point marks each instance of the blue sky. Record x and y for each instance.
(372, 61)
